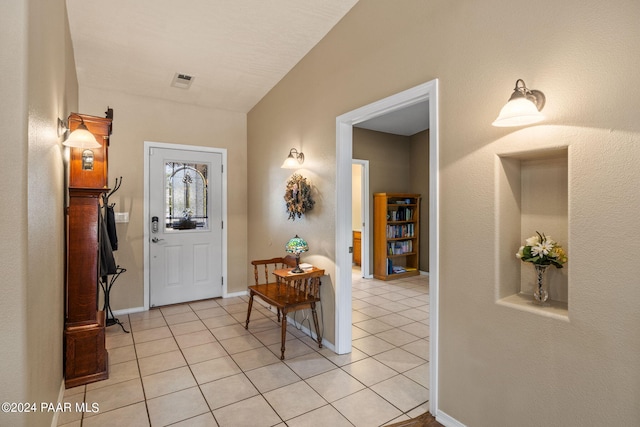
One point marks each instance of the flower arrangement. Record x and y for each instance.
(298, 196)
(541, 250)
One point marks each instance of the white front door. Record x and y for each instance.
(185, 220)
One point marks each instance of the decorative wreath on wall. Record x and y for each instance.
(298, 196)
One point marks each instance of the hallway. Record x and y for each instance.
(195, 365)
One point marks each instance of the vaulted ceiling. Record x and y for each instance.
(235, 50)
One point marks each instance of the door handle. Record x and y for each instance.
(156, 240)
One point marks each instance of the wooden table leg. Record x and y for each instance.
(246, 325)
(315, 322)
(284, 333)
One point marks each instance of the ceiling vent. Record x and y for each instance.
(182, 81)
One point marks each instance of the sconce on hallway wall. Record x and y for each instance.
(81, 137)
(523, 107)
(293, 160)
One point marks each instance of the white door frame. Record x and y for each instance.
(223, 151)
(365, 266)
(344, 153)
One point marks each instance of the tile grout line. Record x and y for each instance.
(189, 365)
(135, 351)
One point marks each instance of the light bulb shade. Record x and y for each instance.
(523, 108)
(82, 138)
(518, 112)
(290, 163)
(293, 160)
(296, 245)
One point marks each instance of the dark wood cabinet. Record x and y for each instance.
(85, 354)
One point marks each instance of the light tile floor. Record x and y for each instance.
(195, 365)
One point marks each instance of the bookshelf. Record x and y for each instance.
(396, 231)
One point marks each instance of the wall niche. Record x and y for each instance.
(532, 195)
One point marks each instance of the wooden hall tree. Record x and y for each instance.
(85, 354)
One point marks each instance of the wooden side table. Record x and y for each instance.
(292, 292)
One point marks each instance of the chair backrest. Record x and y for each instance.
(263, 268)
(309, 285)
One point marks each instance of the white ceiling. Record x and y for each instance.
(236, 50)
(407, 121)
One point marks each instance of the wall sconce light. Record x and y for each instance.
(293, 159)
(523, 108)
(81, 137)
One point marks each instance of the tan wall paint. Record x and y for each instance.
(138, 119)
(43, 88)
(499, 366)
(13, 166)
(389, 160)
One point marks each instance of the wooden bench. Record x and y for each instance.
(286, 292)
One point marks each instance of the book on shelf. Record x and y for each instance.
(401, 214)
(400, 231)
(399, 248)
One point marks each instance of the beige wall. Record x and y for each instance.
(13, 168)
(138, 119)
(499, 366)
(41, 86)
(389, 160)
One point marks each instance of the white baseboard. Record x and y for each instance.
(424, 273)
(447, 420)
(128, 311)
(235, 294)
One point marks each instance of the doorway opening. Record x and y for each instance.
(344, 154)
(360, 216)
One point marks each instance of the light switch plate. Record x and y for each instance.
(122, 216)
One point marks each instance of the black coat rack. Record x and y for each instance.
(108, 244)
